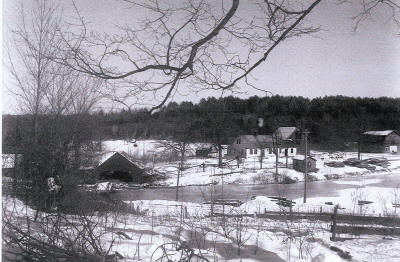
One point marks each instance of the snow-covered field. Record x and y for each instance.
(167, 225)
(163, 224)
(248, 171)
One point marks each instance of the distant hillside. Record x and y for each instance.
(332, 120)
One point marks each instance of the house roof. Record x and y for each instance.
(256, 138)
(204, 146)
(379, 133)
(285, 132)
(301, 157)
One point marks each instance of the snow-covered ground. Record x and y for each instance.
(140, 237)
(166, 224)
(248, 171)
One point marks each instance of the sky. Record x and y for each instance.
(335, 61)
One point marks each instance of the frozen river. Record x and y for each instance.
(316, 189)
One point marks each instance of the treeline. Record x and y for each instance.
(332, 120)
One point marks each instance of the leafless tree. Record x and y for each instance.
(58, 236)
(57, 100)
(369, 8)
(30, 44)
(182, 148)
(200, 44)
(276, 144)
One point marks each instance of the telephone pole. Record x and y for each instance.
(306, 132)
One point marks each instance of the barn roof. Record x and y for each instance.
(379, 133)
(301, 157)
(130, 159)
(285, 132)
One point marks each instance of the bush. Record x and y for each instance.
(288, 180)
(262, 178)
(76, 201)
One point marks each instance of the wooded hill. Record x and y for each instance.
(333, 121)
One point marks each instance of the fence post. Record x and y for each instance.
(333, 227)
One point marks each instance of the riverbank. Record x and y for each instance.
(205, 171)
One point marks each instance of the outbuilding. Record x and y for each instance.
(299, 163)
(386, 141)
(120, 166)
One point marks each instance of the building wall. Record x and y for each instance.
(392, 143)
(387, 144)
(247, 149)
(298, 165)
(118, 163)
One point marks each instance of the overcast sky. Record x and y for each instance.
(335, 61)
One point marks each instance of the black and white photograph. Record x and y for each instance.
(200, 130)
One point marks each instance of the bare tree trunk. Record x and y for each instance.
(177, 183)
(180, 169)
(219, 155)
(276, 163)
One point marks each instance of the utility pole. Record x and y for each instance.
(305, 164)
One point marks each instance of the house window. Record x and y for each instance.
(251, 151)
(291, 150)
(255, 151)
(238, 141)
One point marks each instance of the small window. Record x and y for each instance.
(238, 141)
(291, 150)
(255, 151)
(251, 151)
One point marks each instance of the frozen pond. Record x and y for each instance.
(331, 188)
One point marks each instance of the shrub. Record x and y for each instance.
(262, 178)
(288, 180)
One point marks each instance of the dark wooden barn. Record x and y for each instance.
(387, 141)
(299, 163)
(121, 167)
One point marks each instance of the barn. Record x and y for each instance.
(386, 141)
(120, 166)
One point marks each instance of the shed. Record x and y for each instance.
(11, 164)
(120, 166)
(203, 150)
(299, 163)
(386, 141)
